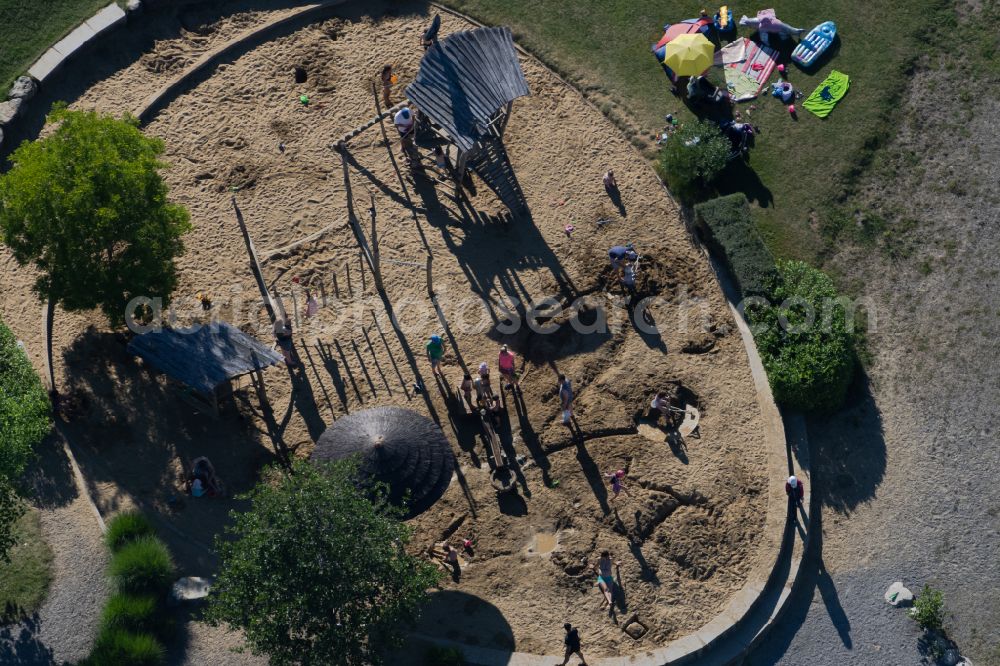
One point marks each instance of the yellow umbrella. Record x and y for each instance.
(690, 54)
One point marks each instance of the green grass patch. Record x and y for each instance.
(125, 528)
(25, 579)
(797, 167)
(30, 27)
(728, 229)
(143, 566)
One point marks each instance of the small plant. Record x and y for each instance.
(143, 567)
(437, 655)
(117, 647)
(131, 612)
(928, 609)
(126, 528)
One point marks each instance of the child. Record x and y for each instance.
(387, 80)
(566, 399)
(617, 484)
(435, 352)
(508, 368)
(466, 388)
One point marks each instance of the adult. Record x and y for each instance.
(660, 407)
(795, 492)
(435, 352)
(610, 184)
(572, 643)
(566, 399)
(619, 255)
(403, 120)
(466, 388)
(507, 363)
(430, 36)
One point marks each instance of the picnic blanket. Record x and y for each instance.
(745, 78)
(827, 94)
(732, 52)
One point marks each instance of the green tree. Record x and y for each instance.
(87, 206)
(316, 572)
(692, 158)
(24, 422)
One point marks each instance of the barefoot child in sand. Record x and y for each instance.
(566, 399)
(435, 352)
(388, 79)
(508, 369)
(605, 578)
(617, 484)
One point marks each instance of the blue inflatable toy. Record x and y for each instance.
(814, 44)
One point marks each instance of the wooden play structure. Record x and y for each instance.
(466, 87)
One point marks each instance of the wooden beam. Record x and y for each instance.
(254, 264)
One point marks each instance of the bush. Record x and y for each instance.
(804, 340)
(437, 655)
(143, 567)
(728, 230)
(692, 158)
(928, 609)
(131, 612)
(24, 423)
(126, 528)
(116, 647)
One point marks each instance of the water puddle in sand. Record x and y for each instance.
(543, 544)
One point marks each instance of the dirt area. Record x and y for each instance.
(686, 532)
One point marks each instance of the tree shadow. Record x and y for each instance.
(20, 645)
(135, 435)
(738, 176)
(848, 451)
(49, 478)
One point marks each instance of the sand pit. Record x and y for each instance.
(686, 532)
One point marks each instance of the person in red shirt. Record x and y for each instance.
(795, 492)
(508, 368)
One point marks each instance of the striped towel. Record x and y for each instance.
(742, 79)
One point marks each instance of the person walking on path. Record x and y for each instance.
(566, 399)
(508, 369)
(572, 643)
(435, 352)
(795, 492)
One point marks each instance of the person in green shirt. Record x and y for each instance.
(435, 352)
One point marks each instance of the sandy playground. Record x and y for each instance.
(686, 533)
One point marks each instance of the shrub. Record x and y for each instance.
(24, 423)
(728, 230)
(126, 528)
(692, 158)
(131, 612)
(437, 655)
(928, 609)
(804, 340)
(117, 647)
(143, 567)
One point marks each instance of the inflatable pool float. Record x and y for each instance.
(815, 43)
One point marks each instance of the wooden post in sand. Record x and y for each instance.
(254, 264)
(430, 277)
(376, 262)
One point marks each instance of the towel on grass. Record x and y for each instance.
(742, 79)
(732, 53)
(827, 94)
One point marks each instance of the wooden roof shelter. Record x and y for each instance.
(466, 86)
(204, 358)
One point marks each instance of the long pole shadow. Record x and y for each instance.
(334, 371)
(319, 380)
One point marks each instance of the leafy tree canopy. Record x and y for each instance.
(87, 206)
(695, 154)
(316, 572)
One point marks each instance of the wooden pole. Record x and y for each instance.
(430, 277)
(254, 264)
(50, 312)
(361, 264)
(376, 262)
(336, 287)
(350, 289)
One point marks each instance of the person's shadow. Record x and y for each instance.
(616, 198)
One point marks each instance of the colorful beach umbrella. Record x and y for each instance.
(689, 55)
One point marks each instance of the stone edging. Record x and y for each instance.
(778, 534)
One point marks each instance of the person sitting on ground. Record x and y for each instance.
(508, 369)
(660, 407)
(605, 579)
(202, 480)
(619, 255)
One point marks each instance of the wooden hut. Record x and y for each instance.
(466, 87)
(204, 358)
